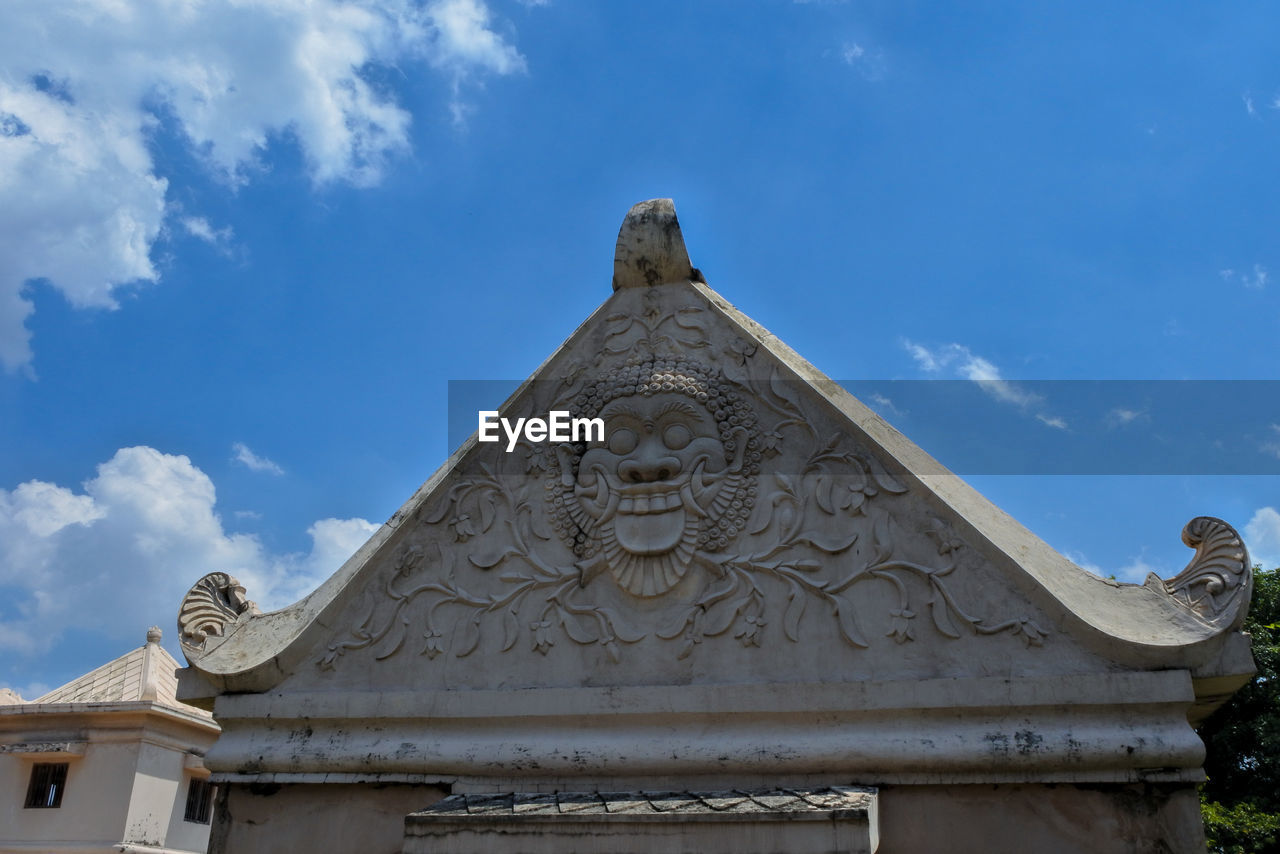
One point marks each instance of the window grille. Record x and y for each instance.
(199, 801)
(48, 781)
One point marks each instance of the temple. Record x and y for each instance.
(753, 618)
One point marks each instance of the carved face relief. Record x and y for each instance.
(673, 475)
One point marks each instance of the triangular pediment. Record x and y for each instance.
(742, 519)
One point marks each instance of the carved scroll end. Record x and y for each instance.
(211, 607)
(1218, 582)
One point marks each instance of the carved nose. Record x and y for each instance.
(648, 469)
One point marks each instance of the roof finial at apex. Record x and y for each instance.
(650, 248)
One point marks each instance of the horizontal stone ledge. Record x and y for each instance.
(556, 784)
(1084, 741)
(1103, 689)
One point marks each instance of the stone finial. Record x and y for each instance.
(154, 634)
(650, 248)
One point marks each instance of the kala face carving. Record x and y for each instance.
(675, 474)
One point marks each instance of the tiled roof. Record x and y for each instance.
(652, 803)
(146, 674)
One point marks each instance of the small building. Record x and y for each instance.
(111, 761)
(748, 616)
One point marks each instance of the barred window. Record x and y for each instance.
(48, 780)
(199, 801)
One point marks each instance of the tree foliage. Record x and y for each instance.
(1241, 799)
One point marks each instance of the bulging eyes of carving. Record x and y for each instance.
(677, 436)
(622, 441)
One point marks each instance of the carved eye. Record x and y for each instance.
(622, 441)
(677, 436)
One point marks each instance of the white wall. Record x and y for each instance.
(123, 789)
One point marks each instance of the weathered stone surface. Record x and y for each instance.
(313, 817)
(752, 581)
(650, 248)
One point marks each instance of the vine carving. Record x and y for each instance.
(676, 509)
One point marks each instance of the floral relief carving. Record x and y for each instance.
(677, 497)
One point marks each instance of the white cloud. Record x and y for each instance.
(84, 85)
(1272, 447)
(1255, 279)
(252, 461)
(118, 556)
(1262, 537)
(1121, 416)
(198, 226)
(869, 63)
(1080, 560)
(1136, 571)
(970, 366)
(924, 356)
(29, 691)
(1248, 104)
(1259, 279)
(884, 404)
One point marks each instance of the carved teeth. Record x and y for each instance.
(646, 505)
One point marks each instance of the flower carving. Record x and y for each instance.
(749, 634)
(542, 641)
(434, 645)
(900, 625)
(463, 530)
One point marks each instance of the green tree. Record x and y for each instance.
(1241, 799)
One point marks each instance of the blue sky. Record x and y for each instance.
(245, 246)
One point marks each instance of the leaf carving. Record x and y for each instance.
(488, 512)
(510, 628)
(795, 610)
(886, 481)
(721, 616)
(830, 546)
(489, 561)
(822, 492)
(466, 634)
(942, 617)
(722, 591)
(621, 630)
(848, 624)
(580, 630)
